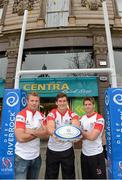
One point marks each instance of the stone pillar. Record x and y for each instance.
(100, 55)
(42, 14)
(12, 54)
(72, 17)
(4, 6)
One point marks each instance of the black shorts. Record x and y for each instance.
(64, 158)
(93, 167)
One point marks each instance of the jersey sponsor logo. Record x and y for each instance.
(51, 115)
(118, 99)
(100, 121)
(12, 99)
(20, 118)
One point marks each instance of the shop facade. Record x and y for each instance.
(60, 34)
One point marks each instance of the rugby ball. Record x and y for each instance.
(68, 133)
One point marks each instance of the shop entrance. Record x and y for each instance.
(46, 105)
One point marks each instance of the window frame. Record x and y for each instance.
(59, 13)
(119, 12)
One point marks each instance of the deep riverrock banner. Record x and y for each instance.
(113, 119)
(14, 100)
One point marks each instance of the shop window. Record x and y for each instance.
(58, 59)
(57, 13)
(119, 7)
(118, 66)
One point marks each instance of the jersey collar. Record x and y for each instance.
(33, 112)
(90, 115)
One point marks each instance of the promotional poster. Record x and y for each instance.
(113, 116)
(14, 100)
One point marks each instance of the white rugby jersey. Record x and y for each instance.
(60, 120)
(27, 119)
(94, 121)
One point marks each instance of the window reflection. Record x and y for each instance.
(74, 59)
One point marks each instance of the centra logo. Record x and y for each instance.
(12, 99)
(118, 99)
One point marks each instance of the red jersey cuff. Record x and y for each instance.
(20, 125)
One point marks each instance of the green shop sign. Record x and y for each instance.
(2, 82)
(72, 86)
(49, 87)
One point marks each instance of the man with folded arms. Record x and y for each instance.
(29, 127)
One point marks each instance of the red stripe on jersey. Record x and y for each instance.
(50, 118)
(76, 117)
(98, 126)
(99, 116)
(23, 112)
(44, 122)
(20, 125)
(73, 115)
(51, 115)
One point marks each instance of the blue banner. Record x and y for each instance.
(113, 116)
(72, 86)
(14, 100)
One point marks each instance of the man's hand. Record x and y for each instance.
(57, 139)
(29, 131)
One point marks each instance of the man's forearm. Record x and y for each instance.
(40, 132)
(25, 138)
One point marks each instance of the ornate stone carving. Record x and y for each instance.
(100, 50)
(91, 4)
(13, 42)
(15, 6)
(100, 46)
(20, 5)
(99, 39)
(1, 4)
(12, 53)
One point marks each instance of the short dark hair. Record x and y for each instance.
(61, 95)
(91, 99)
(32, 94)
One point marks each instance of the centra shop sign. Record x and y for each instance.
(45, 87)
(72, 86)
